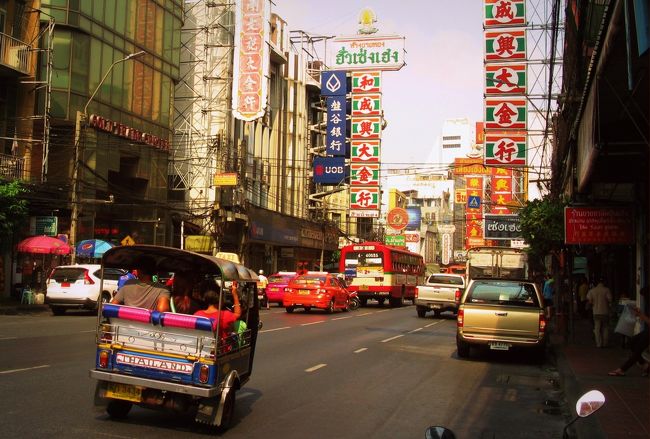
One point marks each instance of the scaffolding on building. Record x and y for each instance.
(201, 146)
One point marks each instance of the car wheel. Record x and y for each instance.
(380, 302)
(118, 409)
(289, 309)
(57, 310)
(422, 311)
(308, 309)
(330, 307)
(462, 348)
(436, 313)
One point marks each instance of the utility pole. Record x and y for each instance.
(79, 120)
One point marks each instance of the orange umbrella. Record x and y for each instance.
(43, 245)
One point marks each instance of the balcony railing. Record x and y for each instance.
(14, 53)
(12, 167)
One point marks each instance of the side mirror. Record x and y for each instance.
(589, 403)
(437, 432)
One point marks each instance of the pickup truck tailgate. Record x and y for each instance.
(500, 322)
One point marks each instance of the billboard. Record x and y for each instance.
(329, 170)
(415, 217)
(376, 52)
(598, 225)
(502, 227)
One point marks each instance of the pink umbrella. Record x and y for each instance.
(43, 245)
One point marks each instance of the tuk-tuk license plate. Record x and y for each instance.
(126, 392)
(499, 346)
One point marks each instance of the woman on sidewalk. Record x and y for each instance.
(639, 342)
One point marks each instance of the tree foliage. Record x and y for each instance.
(542, 226)
(13, 209)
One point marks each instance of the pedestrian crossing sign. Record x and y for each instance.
(473, 202)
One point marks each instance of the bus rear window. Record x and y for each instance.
(369, 259)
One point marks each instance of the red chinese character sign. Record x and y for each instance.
(508, 79)
(505, 45)
(366, 127)
(251, 58)
(505, 114)
(366, 104)
(502, 13)
(364, 174)
(366, 82)
(364, 151)
(505, 148)
(501, 191)
(598, 225)
(364, 199)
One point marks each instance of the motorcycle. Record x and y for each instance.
(587, 405)
(354, 301)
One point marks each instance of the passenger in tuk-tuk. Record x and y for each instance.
(182, 300)
(143, 292)
(212, 297)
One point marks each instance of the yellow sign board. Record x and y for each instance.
(225, 179)
(127, 240)
(199, 243)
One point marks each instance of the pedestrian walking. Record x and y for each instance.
(639, 341)
(600, 299)
(549, 292)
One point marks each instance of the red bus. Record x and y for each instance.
(378, 271)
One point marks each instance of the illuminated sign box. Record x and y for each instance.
(226, 179)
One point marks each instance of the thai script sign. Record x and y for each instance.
(364, 151)
(463, 166)
(505, 45)
(395, 240)
(336, 126)
(598, 225)
(502, 227)
(251, 58)
(363, 213)
(505, 79)
(503, 148)
(378, 52)
(502, 113)
(225, 179)
(364, 174)
(366, 82)
(501, 13)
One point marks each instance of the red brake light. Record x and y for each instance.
(460, 318)
(457, 296)
(542, 322)
(87, 279)
(204, 373)
(103, 359)
(417, 292)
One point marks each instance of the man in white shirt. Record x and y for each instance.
(600, 299)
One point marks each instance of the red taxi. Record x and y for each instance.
(316, 289)
(277, 283)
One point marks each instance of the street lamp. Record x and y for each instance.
(81, 117)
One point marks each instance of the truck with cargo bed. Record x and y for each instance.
(440, 292)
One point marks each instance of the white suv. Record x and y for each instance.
(77, 287)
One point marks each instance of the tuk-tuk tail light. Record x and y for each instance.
(204, 373)
(103, 358)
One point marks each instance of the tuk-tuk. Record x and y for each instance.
(177, 362)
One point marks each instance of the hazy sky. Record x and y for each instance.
(444, 63)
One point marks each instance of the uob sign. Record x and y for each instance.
(329, 170)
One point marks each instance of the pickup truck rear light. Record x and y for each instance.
(417, 292)
(460, 318)
(542, 323)
(457, 296)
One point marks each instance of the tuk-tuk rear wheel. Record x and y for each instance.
(118, 409)
(228, 411)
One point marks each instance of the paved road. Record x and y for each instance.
(372, 373)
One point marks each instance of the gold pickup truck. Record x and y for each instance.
(501, 315)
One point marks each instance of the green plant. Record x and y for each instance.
(13, 209)
(542, 226)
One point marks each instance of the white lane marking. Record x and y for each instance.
(392, 338)
(8, 338)
(275, 329)
(343, 318)
(360, 350)
(92, 330)
(364, 314)
(24, 369)
(318, 366)
(383, 310)
(313, 323)
(434, 323)
(415, 330)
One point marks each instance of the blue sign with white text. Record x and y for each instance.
(329, 170)
(333, 83)
(473, 202)
(336, 127)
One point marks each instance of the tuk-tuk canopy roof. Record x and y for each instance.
(169, 259)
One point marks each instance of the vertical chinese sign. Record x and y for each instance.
(331, 168)
(506, 108)
(474, 214)
(365, 140)
(251, 58)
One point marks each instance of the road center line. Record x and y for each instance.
(392, 338)
(275, 329)
(383, 310)
(360, 350)
(434, 323)
(415, 330)
(364, 314)
(313, 323)
(343, 318)
(318, 366)
(24, 369)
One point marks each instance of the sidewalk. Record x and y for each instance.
(12, 306)
(583, 367)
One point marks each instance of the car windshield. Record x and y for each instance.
(277, 279)
(70, 274)
(508, 293)
(446, 280)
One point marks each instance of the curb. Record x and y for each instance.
(12, 310)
